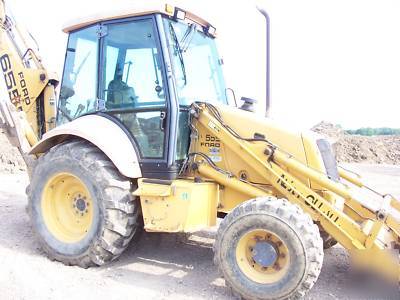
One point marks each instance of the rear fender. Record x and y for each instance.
(108, 136)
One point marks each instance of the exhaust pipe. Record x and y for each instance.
(267, 60)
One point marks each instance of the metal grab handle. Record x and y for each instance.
(163, 116)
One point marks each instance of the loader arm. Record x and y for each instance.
(29, 111)
(359, 227)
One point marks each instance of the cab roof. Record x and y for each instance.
(129, 11)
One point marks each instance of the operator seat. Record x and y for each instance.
(122, 96)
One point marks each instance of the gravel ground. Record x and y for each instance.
(10, 159)
(162, 266)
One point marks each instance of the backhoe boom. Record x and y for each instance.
(30, 110)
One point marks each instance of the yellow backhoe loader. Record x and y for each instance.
(142, 136)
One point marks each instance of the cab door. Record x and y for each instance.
(133, 90)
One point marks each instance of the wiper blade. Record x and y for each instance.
(78, 70)
(178, 51)
(188, 37)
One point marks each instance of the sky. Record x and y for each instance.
(337, 61)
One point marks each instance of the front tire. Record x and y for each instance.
(268, 248)
(81, 208)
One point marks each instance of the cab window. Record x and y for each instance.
(132, 70)
(79, 84)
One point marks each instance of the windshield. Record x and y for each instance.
(197, 65)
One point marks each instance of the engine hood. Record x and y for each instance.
(250, 125)
(301, 145)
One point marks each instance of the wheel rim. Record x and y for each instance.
(67, 208)
(262, 256)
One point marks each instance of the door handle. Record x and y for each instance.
(163, 117)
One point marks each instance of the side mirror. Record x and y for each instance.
(248, 104)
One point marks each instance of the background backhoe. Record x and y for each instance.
(142, 136)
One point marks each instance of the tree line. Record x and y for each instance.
(367, 131)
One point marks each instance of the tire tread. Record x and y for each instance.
(300, 222)
(108, 246)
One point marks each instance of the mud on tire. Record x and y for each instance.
(296, 231)
(116, 219)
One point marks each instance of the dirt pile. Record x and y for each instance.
(332, 131)
(361, 149)
(10, 158)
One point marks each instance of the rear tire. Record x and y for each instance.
(81, 208)
(268, 248)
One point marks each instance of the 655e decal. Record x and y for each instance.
(11, 82)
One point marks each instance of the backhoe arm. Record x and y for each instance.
(29, 111)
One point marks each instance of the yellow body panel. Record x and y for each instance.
(230, 198)
(182, 206)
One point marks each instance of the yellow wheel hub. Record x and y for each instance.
(262, 256)
(67, 208)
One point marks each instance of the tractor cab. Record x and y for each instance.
(142, 69)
